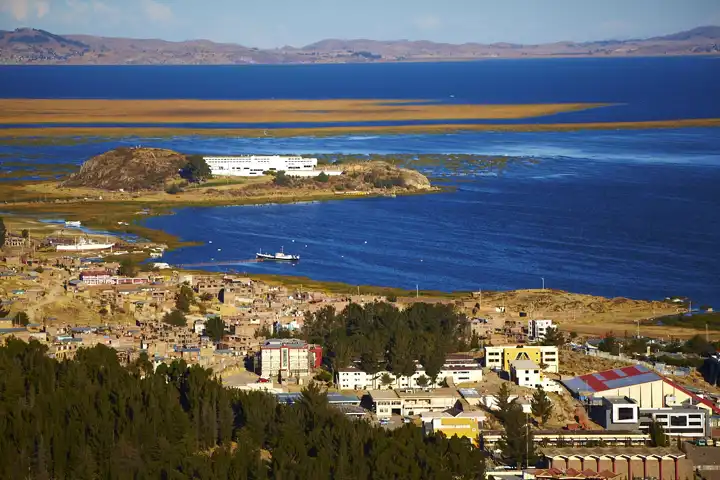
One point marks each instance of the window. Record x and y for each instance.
(626, 413)
(678, 421)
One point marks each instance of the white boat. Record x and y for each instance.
(83, 245)
(73, 224)
(279, 256)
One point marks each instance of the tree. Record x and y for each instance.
(474, 341)
(215, 329)
(658, 437)
(516, 442)
(281, 179)
(503, 402)
(541, 405)
(207, 297)
(25, 233)
(699, 345)
(21, 318)
(173, 189)
(573, 335)
(387, 379)
(3, 233)
(554, 337)
(322, 177)
(175, 318)
(184, 299)
(196, 169)
(323, 376)
(128, 268)
(422, 381)
(609, 344)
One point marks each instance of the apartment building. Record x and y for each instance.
(537, 329)
(457, 369)
(412, 401)
(501, 357)
(288, 357)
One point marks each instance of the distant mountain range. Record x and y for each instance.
(31, 46)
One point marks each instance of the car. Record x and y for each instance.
(384, 421)
(263, 380)
(407, 420)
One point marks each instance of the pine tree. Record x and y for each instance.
(516, 443)
(503, 403)
(658, 437)
(553, 337)
(542, 406)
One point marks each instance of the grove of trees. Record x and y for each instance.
(384, 338)
(196, 169)
(92, 418)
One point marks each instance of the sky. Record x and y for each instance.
(274, 23)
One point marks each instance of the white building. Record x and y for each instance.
(288, 357)
(537, 329)
(456, 369)
(525, 373)
(255, 165)
(412, 402)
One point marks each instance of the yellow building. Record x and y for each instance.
(502, 356)
(450, 426)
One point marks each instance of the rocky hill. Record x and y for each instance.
(129, 169)
(30, 46)
(385, 175)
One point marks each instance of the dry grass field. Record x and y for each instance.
(34, 111)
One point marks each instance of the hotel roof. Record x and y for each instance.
(611, 379)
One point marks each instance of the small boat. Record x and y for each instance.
(279, 256)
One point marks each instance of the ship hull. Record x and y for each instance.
(289, 258)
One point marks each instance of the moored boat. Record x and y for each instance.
(279, 256)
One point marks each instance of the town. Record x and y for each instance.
(539, 399)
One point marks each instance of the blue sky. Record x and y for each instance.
(272, 23)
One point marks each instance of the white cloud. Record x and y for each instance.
(42, 8)
(18, 8)
(427, 22)
(156, 11)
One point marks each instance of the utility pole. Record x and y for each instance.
(527, 440)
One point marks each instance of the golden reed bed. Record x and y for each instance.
(47, 132)
(41, 111)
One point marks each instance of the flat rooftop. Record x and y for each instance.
(433, 393)
(524, 365)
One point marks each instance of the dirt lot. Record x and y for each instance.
(585, 314)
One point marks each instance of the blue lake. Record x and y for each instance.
(611, 213)
(643, 88)
(616, 213)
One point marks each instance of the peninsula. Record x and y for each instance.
(116, 189)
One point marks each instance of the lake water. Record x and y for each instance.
(611, 213)
(643, 88)
(616, 213)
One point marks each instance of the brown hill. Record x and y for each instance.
(29, 46)
(129, 169)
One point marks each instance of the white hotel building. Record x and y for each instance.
(255, 165)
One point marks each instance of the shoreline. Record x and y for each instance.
(127, 211)
(114, 132)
